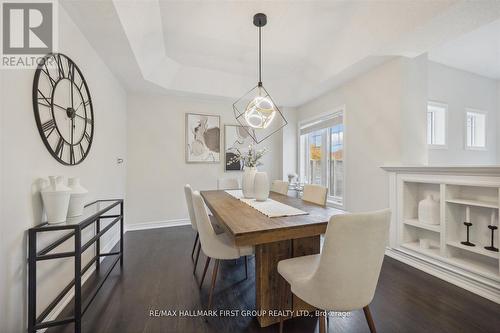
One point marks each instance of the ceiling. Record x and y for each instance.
(210, 47)
(477, 51)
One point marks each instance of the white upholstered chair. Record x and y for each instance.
(192, 218)
(228, 184)
(315, 194)
(344, 276)
(280, 187)
(215, 246)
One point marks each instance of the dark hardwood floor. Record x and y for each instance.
(157, 275)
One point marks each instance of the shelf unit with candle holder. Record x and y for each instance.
(473, 267)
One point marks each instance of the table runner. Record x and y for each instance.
(270, 207)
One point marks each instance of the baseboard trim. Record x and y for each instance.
(157, 224)
(70, 295)
(447, 274)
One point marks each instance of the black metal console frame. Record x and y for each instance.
(36, 323)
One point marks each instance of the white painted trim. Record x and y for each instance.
(472, 170)
(156, 224)
(340, 109)
(447, 274)
(70, 295)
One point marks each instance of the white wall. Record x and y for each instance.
(376, 103)
(25, 159)
(498, 122)
(461, 90)
(289, 143)
(156, 169)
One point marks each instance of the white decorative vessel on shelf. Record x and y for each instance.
(425, 243)
(247, 183)
(428, 211)
(261, 186)
(77, 198)
(55, 199)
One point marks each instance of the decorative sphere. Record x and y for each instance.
(260, 112)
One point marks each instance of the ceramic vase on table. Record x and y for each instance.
(247, 183)
(428, 210)
(55, 199)
(77, 198)
(261, 186)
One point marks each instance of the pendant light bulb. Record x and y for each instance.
(260, 112)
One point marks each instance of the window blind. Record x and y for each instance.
(320, 124)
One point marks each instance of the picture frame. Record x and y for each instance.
(202, 138)
(235, 137)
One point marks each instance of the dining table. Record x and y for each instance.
(274, 239)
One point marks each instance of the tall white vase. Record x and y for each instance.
(77, 199)
(247, 182)
(55, 199)
(261, 186)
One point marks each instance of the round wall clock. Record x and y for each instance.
(63, 109)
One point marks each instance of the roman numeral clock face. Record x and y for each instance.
(63, 109)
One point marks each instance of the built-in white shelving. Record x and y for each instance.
(465, 194)
(479, 249)
(416, 223)
(475, 203)
(433, 251)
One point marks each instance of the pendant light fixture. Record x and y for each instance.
(256, 110)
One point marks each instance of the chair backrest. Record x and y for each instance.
(315, 194)
(280, 187)
(228, 184)
(210, 243)
(351, 260)
(188, 192)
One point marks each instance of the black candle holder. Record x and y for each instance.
(492, 247)
(467, 242)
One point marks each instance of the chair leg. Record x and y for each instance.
(212, 287)
(282, 302)
(246, 267)
(197, 257)
(194, 245)
(205, 271)
(321, 318)
(369, 319)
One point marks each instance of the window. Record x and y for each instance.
(476, 129)
(321, 155)
(436, 124)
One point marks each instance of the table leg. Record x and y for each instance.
(268, 285)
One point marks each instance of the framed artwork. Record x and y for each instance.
(202, 138)
(235, 137)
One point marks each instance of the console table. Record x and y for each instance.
(95, 214)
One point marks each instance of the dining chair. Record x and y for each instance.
(344, 276)
(215, 246)
(280, 187)
(228, 184)
(315, 194)
(188, 191)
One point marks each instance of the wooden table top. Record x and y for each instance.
(250, 227)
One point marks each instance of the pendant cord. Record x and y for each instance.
(260, 58)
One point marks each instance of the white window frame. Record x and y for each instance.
(445, 107)
(485, 113)
(323, 116)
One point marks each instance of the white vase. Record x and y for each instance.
(428, 210)
(261, 186)
(247, 182)
(55, 199)
(77, 199)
